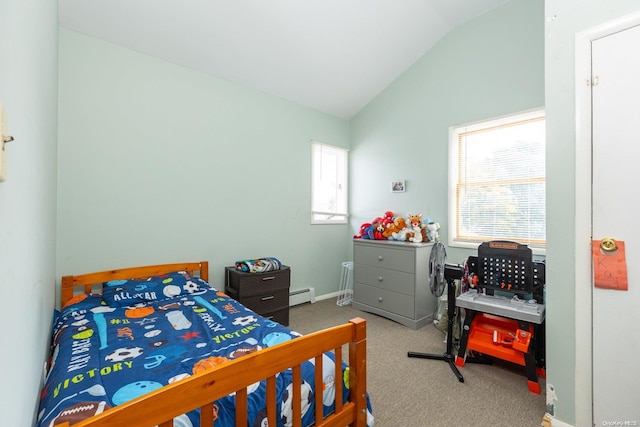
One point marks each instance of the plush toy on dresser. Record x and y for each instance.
(399, 229)
(418, 232)
(432, 231)
(414, 229)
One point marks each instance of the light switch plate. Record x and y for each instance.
(3, 132)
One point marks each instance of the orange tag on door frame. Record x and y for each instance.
(609, 268)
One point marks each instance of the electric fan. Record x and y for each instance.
(437, 261)
(441, 273)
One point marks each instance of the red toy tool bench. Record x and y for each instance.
(508, 326)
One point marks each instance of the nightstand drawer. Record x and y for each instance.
(265, 303)
(248, 284)
(392, 280)
(394, 258)
(280, 316)
(383, 299)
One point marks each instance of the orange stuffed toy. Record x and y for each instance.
(394, 229)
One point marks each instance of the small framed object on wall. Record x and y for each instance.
(398, 186)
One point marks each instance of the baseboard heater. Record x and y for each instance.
(302, 296)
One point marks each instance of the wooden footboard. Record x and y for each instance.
(201, 390)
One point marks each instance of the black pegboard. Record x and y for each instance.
(506, 266)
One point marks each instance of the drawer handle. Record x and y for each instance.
(270, 317)
(268, 298)
(379, 299)
(380, 258)
(269, 278)
(379, 278)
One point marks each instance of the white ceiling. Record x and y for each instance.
(331, 55)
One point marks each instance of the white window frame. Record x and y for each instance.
(457, 134)
(329, 184)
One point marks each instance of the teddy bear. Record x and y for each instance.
(400, 229)
(390, 226)
(389, 229)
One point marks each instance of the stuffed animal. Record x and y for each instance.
(387, 225)
(400, 229)
(363, 231)
(402, 235)
(377, 232)
(432, 231)
(418, 232)
(389, 229)
(368, 232)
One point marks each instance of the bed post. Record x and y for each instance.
(358, 376)
(204, 270)
(66, 289)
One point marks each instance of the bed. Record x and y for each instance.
(161, 346)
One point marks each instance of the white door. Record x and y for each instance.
(616, 214)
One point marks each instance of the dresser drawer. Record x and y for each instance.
(383, 299)
(248, 284)
(392, 280)
(393, 258)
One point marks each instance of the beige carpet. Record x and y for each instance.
(408, 392)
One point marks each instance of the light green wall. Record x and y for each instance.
(135, 133)
(565, 18)
(158, 163)
(488, 67)
(28, 92)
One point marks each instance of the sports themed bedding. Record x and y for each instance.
(143, 334)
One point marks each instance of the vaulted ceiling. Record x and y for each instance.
(330, 55)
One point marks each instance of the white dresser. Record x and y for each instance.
(391, 279)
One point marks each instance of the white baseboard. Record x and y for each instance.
(302, 296)
(328, 296)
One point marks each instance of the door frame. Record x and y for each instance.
(583, 201)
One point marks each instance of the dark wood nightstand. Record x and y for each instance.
(265, 293)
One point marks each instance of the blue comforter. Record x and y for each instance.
(107, 354)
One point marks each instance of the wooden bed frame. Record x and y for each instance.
(201, 390)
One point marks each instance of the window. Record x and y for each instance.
(497, 181)
(328, 184)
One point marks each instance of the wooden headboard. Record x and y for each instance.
(70, 283)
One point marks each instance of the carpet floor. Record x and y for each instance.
(413, 392)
